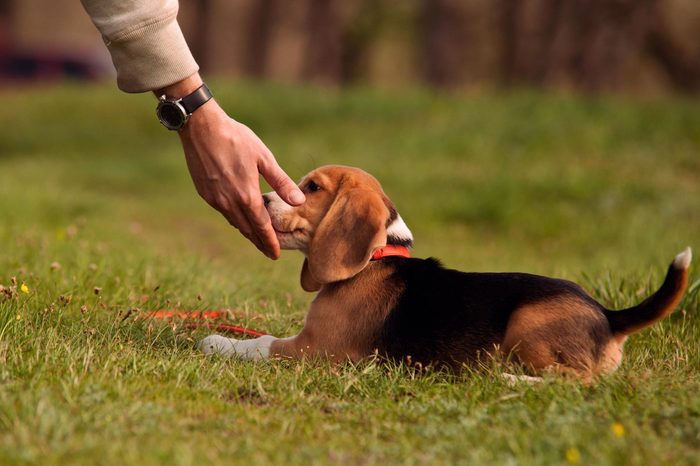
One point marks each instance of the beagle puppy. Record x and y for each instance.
(372, 297)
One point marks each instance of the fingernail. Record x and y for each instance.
(297, 197)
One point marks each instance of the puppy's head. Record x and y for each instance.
(345, 218)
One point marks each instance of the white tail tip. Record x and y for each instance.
(682, 260)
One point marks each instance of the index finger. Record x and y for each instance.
(280, 181)
(261, 224)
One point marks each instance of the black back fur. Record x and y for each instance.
(450, 317)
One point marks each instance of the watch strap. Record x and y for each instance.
(196, 99)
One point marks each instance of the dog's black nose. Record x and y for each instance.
(266, 199)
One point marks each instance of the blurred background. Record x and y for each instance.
(631, 46)
(553, 136)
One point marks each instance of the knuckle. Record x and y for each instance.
(250, 198)
(245, 198)
(256, 202)
(260, 223)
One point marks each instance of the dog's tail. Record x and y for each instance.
(656, 306)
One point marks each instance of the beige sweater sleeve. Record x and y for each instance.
(145, 41)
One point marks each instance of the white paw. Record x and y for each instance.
(257, 348)
(216, 344)
(512, 380)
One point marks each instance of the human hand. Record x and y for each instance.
(225, 159)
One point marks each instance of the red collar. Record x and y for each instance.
(391, 250)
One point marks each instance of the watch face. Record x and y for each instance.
(171, 115)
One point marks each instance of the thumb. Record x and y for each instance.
(282, 183)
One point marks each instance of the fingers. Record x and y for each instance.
(280, 182)
(225, 159)
(249, 216)
(261, 227)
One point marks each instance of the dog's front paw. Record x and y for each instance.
(257, 348)
(216, 344)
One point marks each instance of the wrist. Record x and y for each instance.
(208, 116)
(178, 102)
(181, 88)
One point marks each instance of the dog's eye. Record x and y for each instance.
(312, 187)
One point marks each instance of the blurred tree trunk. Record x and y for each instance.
(200, 37)
(586, 44)
(323, 49)
(445, 42)
(7, 13)
(6, 7)
(361, 30)
(339, 39)
(596, 45)
(509, 38)
(544, 60)
(258, 37)
(611, 31)
(681, 67)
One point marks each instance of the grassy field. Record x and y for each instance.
(98, 217)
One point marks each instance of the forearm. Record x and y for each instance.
(225, 157)
(145, 41)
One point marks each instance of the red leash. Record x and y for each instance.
(202, 317)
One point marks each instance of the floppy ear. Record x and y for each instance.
(308, 282)
(353, 227)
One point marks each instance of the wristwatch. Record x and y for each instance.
(174, 113)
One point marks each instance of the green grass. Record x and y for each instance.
(603, 191)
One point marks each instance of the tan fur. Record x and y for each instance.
(547, 336)
(337, 228)
(351, 230)
(611, 357)
(343, 318)
(665, 312)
